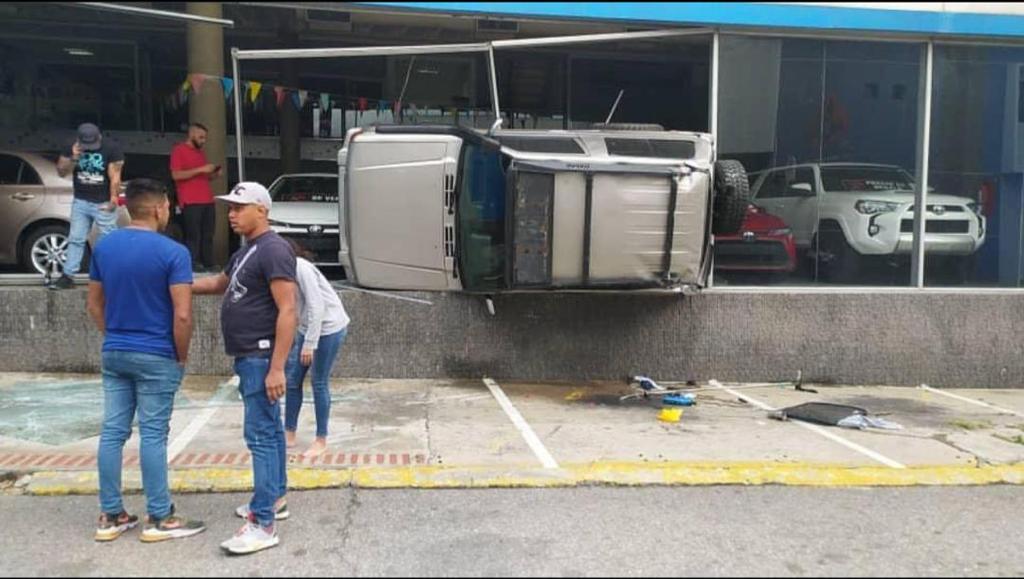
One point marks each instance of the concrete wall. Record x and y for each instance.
(943, 339)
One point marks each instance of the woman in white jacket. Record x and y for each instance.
(323, 326)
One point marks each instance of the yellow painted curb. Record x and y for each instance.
(530, 476)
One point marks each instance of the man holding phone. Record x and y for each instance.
(192, 174)
(96, 166)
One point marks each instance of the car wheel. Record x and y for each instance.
(45, 250)
(837, 261)
(731, 197)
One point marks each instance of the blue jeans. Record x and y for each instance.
(323, 360)
(264, 435)
(146, 383)
(83, 215)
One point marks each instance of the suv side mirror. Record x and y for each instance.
(801, 190)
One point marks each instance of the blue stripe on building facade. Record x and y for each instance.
(745, 14)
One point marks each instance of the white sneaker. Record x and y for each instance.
(251, 538)
(279, 515)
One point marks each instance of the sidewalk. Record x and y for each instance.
(468, 433)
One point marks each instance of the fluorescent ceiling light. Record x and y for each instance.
(79, 52)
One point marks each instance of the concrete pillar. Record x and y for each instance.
(206, 56)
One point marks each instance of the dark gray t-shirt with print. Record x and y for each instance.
(248, 314)
(91, 179)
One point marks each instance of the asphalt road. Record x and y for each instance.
(708, 531)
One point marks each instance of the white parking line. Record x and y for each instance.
(972, 401)
(814, 428)
(193, 428)
(524, 429)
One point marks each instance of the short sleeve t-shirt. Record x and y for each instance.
(137, 269)
(90, 179)
(197, 190)
(248, 313)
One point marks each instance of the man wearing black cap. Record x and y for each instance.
(96, 166)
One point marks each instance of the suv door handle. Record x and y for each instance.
(23, 196)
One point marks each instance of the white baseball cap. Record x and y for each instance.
(248, 193)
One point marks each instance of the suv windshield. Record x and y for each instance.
(305, 189)
(866, 178)
(660, 148)
(482, 218)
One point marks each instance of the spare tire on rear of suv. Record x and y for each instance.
(731, 197)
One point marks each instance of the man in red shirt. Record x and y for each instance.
(192, 174)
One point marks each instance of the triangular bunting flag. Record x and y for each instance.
(229, 85)
(279, 95)
(254, 90)
(362, 104)
(297, 100)
(303, 98)
(325, 101)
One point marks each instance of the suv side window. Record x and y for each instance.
(778, 183)
(774, 186)
(10, 169)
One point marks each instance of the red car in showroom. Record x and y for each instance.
(764, 243)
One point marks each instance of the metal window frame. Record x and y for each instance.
(924, 145)
(151, 12)
(466, 48)
(714, 34)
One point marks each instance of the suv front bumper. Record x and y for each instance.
(953, 233)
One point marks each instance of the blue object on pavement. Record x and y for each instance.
(679, 399)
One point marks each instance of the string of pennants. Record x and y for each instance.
(257, 92)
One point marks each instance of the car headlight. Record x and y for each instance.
(976, 208)
(869, 207)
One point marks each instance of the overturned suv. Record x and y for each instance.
(455, 209)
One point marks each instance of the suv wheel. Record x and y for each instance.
(837, 261)
(731, 197)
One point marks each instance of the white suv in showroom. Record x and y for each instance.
(842, 213)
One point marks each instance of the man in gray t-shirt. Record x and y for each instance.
(258, 318)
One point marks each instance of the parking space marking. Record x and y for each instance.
(813, 428)
(197, 424)
(972, 401)
(520, 423)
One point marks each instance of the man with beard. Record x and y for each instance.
(192, 174)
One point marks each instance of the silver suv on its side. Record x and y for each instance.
(455, 209)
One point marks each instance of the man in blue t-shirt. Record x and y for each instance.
(140, 296)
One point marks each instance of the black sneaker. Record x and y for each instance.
(170, 527)
(111, 527)
(65, 282)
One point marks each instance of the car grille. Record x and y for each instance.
(943, 208)
(932, 226)
(737, 254)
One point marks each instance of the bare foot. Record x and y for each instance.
(316, 449)
(289, 439)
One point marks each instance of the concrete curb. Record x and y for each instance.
(60, 483)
